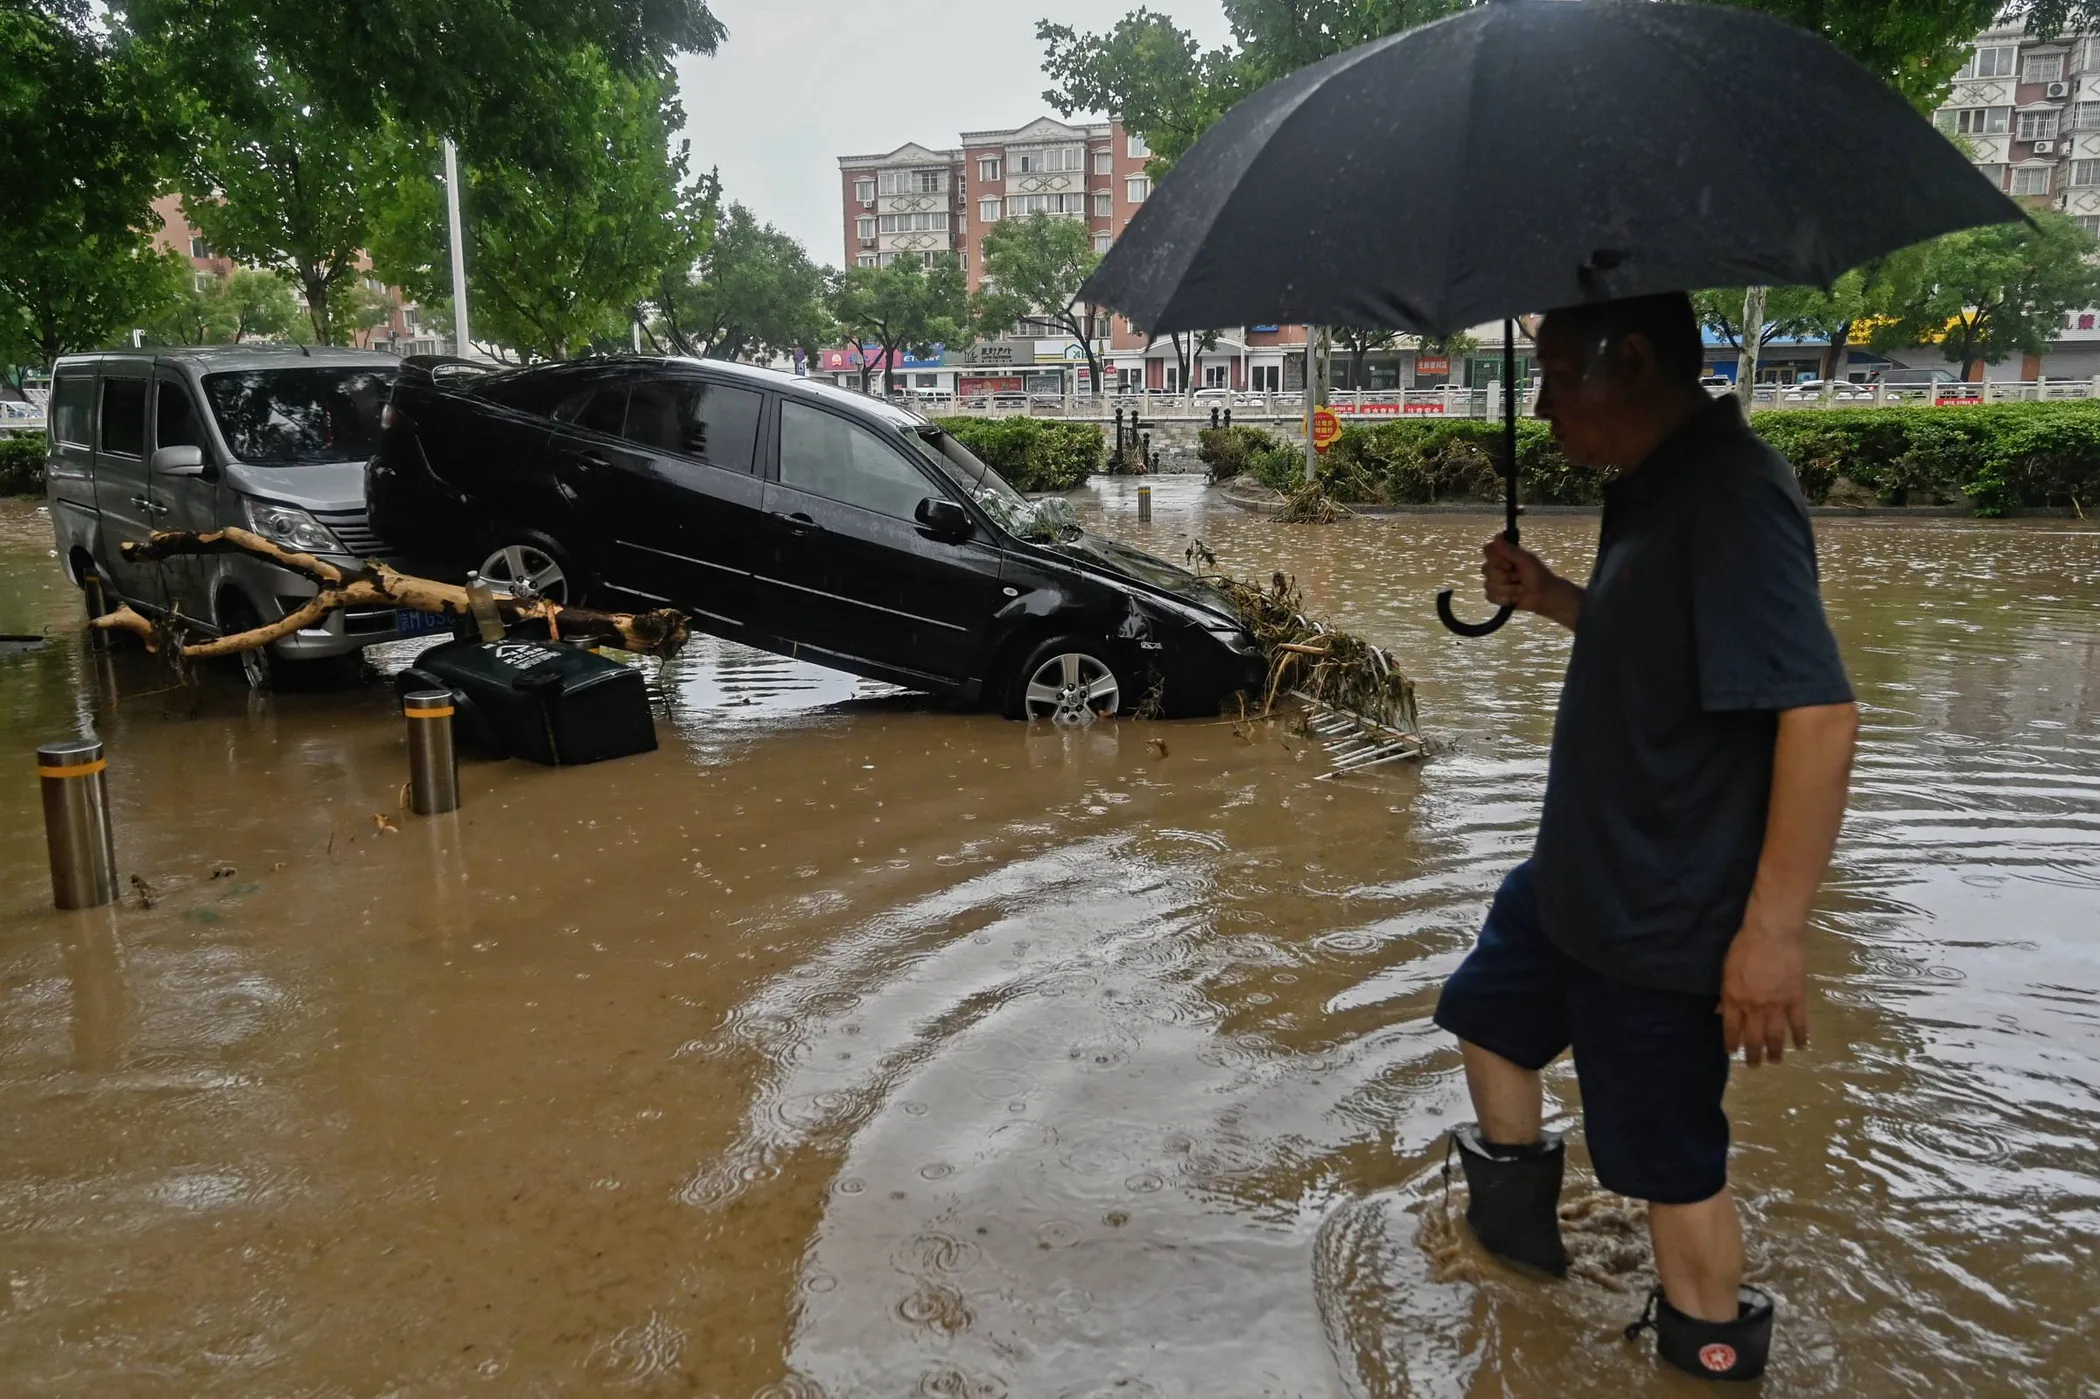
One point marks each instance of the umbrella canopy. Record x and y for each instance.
(1529, 154)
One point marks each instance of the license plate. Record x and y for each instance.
(408, 622)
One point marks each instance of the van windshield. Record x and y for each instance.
(297, 417)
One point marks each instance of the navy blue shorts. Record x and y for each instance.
(1650, 1063)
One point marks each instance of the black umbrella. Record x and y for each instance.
(1529, 154)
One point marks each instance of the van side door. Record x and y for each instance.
(128, 512)
(184, 502)
(69, 460)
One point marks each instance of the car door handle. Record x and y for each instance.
(797, 524)
(146, 504)
(591, 461)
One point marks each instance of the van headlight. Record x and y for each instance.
(292, 528)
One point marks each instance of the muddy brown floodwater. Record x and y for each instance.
(850, 1045)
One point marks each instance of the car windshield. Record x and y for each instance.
(295, 417)
(1019, 514)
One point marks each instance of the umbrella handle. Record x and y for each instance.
(1450, 619)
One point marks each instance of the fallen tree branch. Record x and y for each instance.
(375, 584)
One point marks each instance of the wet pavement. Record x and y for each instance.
(851, 1045)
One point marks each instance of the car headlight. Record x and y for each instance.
(292, 528)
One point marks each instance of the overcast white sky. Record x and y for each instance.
(801, 82)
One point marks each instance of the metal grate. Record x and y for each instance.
(355, 530)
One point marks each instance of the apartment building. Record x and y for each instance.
(2029, 113)
(920, 201)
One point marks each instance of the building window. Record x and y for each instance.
(204, 281)
(1135, 144)
(2090, 223)
(1103, 241)
(1104, 162)
(914, 223)
(199, 248)
(914, 181)
(931, 258)
(864, 260)
(1020, 206)
(1994, 173)
(2085, 116)
(988, 169)
(1053, 160)
(1975, 121)
(2042, 68)
(864, 191)
(962, 260)
(987, 211)
(1104, 205)
(2085, 172)
(2031, 179)
(888, 258)
(865, 227)
(1993, 61)
(1137, 189)
(1265, 378)
(932, 181)
(2038, 125)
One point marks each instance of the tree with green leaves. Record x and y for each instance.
(557, 264)
(753, 291)
(84, 147)
(907, 307)
(1360, 341)
(485, 72)
(1033, 269)
(1985, 294)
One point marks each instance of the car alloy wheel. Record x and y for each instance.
(526, 569)
(1072, 689)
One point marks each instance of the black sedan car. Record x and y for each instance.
(795, 517)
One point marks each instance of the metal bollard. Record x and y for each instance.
(1214, 416)
(433, 766)
(1144, 504)
(1119, 434)
(1228, 417)
(76, 823)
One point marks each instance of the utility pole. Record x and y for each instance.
(1316, 351)
(459, 256)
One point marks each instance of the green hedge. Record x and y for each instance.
(1033, 454)
(1251, 451)
(1994, 457)
(22, 464)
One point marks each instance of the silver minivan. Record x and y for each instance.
(270, 438)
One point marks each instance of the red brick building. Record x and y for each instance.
(919, 201)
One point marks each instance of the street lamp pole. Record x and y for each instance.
(459, 257)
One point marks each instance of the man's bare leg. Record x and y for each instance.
(1698, 1253)
(1508, 1101)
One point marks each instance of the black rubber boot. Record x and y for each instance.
(1713, 1350)
(1514, 1197)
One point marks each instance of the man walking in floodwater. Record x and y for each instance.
(1697, 781)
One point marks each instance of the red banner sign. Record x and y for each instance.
(1436, 408)
(1004, 384)
(1432, 364)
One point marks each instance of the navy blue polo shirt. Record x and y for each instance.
(1701, 621)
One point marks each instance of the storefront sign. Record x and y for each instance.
(1004, 352)
(1432, 364)
(976, 384)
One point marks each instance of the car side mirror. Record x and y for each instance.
(181, 461)
(943, 517)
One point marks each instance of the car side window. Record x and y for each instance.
(829, 456)
(71, 402)
(174, 417)
(601, 408)
(124, 417)
(694, 418)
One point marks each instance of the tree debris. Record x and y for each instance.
(375, 584)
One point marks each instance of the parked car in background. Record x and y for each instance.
(1717, 384)
(799, 518)
(270, 438)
